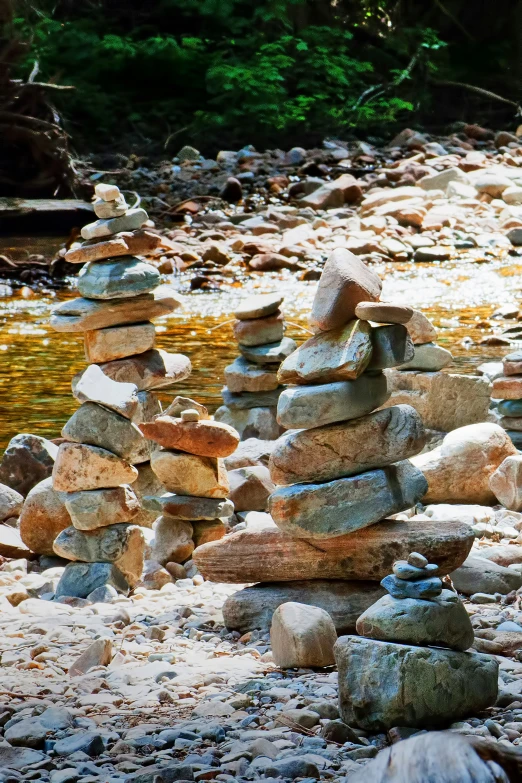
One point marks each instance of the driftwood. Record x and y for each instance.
(443, 757)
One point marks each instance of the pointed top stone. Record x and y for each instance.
(94, 386)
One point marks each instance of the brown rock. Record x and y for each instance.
(116, 342)
(43, 517)
(204, 438)
(172, 541)
(79, 466)
(384, 312)
(180, 404)
(302, 635)
(458, 471)
(242, 376)
(421, 329)
(507, 388)
(187, 474)
(347, 448)
(345, 282)
(150, 370)
(11, 544)
(259, 331)
(268, 555)
(27, 460)
(506, 483)
(99, 653)
(134, 243)
(259, 305)
(338, 355)
(273, 262)
(250, 488)
(204, 532)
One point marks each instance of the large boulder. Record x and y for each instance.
(43, 517)
(28, 459)
(459, 470)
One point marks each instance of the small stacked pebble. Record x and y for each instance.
(189, 464)
(428, 356)
(95, 466)
(252, 387)
(408, 667)
(347, 465)
(507, 394)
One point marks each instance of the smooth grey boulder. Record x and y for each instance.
(252, 608)
(271, 353)
(91, 509)
(479, 575)
(260, 423)
(248, 400)
(122, 544)
(385, 684)
(302, 407)
(319, 511)
(80, 579)
(442, 621)
(117, 279)
(429, 357)
(391, 346)
(27, 460)
(348, 448)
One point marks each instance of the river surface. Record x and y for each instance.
(37, 364)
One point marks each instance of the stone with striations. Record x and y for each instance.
(121, 544)
(187, 474)
(258, 306)
(134, 218)
(127, 243)
(97, 508)
(93, 385)
(117, 279)
(345, 281)
(391, 347)
(341, 354)
(43, 517)
(429, 357)
(384, 312)
(302, 636)
(272, 353)
(314, 406)
(80, 579)
(116, 342)
(441, 622)
(79, 466)
(506, 483)
(385, 684)
(348, 448)
(172, 542)
(242, 376)
(204, 438)
(83, 315)
(259, 331)
(321, 511)
(153, 369)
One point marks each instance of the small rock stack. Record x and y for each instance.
(428, 356)
(507, 394)
(408, 666)
(190, 466)
(346, 467)
(252, 387)
(95, 466)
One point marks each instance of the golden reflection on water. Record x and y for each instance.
(37, 364)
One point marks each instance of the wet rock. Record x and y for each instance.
(27, 460)
(118, 279)
(80, 467)
(250, 488)
(302, 635)
(43, 517)
(428, 357)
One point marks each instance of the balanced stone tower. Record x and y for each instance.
(408, 666)
(507, 393)
(252, 387)
(190, 466)
(96, 465)
(341, 472)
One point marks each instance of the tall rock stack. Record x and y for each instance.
(507, 394)
(342, 470)
(190, 466)
(95, 467)
(252, 387)
(408, 666)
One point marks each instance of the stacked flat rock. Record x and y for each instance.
(341, 471)
(408, 666)
(189, 464)
(104, 452)
(427, 356)
(252, 387)
(507, 394)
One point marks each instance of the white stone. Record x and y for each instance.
(302, 636)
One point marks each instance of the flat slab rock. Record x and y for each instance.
(384, 684)
(253, 607)
(154, 369)
(269, 555)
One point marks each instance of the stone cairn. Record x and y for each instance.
(95, 466)
(252, 387)
(507, 395)
(342, 470)
(408, 666)
(190, 466)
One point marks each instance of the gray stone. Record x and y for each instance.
(292, 768)
(260, 331)
(97, 508)
(117, 279)
(251, 423)
(302, 636)
(252, 451)
(80, 579)
(314, 406)
(249, 400)
(172, 542)
(253, 607)
(430, 357)
(259, 306)
(347, 448)
(250, 488)
(167, 772)
(112, 208)
(79, 466)
(479, 575)
(153, 369)
(272, 353)
(94, 386)
(331, 509)
(147, 484)
(20, 758)
(384, 684)
(104, 428)
(391, 347)
(403, 569)
(423, 588)
(122, 544)
(118, 342)
(241, 376)
(11, 502)
(27, 460)
(511, 408)
(133, 218)
(85, 741)
(189, 508)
